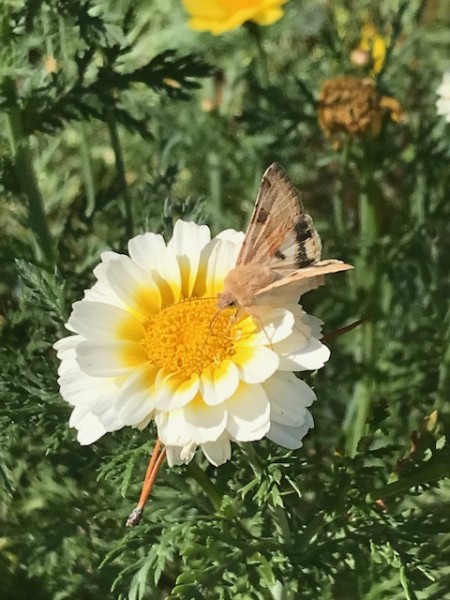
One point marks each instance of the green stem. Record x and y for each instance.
(367, 219)
(362, 395)
(120, 168)
(87, 171)
(255, 32)
(23, 164)
(215, 184)
(47, 37)
(435, 472)
(338, 197)
(366, 270)
(85, 146)
(206, 484)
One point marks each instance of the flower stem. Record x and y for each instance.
(366, 271)
(120, 168)
(206, 484)
(368, 225)
(87, 171)
(85, 147)
(26, 176)
(338, 197)
(255, 32)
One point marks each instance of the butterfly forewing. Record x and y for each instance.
(280, 235)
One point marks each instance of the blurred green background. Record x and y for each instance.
(117, 119)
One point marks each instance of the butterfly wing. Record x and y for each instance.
(280, 235)
(299, 282)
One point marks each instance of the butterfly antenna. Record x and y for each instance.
(154, 465)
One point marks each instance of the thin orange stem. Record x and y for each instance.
(151, 463)
(345, 329)
(154, 465)
(150, 480)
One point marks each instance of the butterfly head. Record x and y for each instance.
(226, 300)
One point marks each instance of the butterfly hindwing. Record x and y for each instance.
(280, 235)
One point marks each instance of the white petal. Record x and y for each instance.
(255, 364)
(172, 428)
(136, 399)
(144, 423)
(218, 452)
(99, 270)
(188, 236)
(78, 414)
(219, 257)
(314, 324)
(89, 429)
(219, 383)
(290, 345)
(309, 358)
(133, 285)
(174, 392)
(107, 414)
(107, 359)
(276, 324)
(187, 243)
(96, 320)
(187, 452)
(89, 395)
(149, 251)
(205, 423)
(80, 389)
(67, 344)
(180, 455)
(290, 437)
(144, 247)
(248, 413)
(237, 237)
(288, 397)
(101, 291)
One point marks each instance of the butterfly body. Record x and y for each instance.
(242, 284)
(281, 252)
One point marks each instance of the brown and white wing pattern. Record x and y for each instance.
(280, 235)
(301, 281)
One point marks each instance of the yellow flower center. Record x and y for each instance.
(186, 338)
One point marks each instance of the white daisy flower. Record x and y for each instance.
(443, 103)
(149, 344)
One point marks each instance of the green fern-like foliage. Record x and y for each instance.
(117, 119)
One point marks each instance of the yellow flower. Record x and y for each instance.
(374, 46)
(218, 16)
